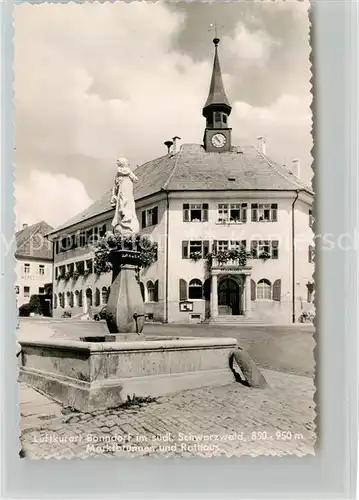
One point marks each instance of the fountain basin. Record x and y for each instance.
(99, 375)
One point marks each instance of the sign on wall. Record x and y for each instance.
(186, 306)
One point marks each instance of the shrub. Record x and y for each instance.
(35, 304)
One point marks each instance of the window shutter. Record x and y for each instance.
(182, 289)
(207, 289)
(205, 212)
(155, 216)
(57, 246)
(310, 254)
(274, 208)
(186, 212)
(244, 244)
(205, 247)
(214, 246)
(244, 213)
(155, 298)
(144, 218)
(254, 249)
(275, 248)
(254, 212)
(184, 249)
(142, 286)
(277, 290)
(253, 290)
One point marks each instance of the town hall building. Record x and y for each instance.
(198, 202)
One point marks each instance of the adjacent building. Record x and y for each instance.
(199, 200)
(34, 262)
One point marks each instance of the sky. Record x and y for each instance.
(95, 82)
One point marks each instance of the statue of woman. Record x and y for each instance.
(125, 220)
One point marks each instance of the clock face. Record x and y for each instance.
(219, 140)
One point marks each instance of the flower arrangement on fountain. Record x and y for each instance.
(146, 250)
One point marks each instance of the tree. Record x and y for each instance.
(35, 304)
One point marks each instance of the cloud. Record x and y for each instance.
(53, 198)
(101, 80)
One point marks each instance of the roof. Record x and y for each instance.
(32, 242)
(192, 168)
(217, 94)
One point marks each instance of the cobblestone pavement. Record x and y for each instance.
(210, 421)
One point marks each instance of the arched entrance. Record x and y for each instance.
(229, 297)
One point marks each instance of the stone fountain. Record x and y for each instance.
(94, 365)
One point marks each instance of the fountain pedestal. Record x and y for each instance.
(125, 307)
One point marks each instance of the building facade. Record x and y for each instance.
(34, 262)
(201, 203)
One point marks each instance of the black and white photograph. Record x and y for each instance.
(164, 229)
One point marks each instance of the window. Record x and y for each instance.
(262, 212)
(80, 266)
(311, 218)
(310, 292)
(61, 300)
(238, 244)
(262, 249)
(150, 217)
(97, 297)
(311, 254)
(195, 212)
(195, 289)
(150, 291)
(78, 298)
(41, 290)
(222, 245)
(232, 212)
(89, 297)
(26, 291)
(27, 268)
(264, 290)
(104, 295)
(194, 249)
(70, 299)
(89, 266)
(41, 269)
(55, 301)
(102, 230)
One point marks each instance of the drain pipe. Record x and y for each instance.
(166, 259)
(293, 256)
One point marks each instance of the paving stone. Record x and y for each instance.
(241, 421)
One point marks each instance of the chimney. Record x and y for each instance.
(168, 144)
(262, 145)
(174, 149)
(24, 226)
(296, 167)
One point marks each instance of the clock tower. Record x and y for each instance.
(217, 135)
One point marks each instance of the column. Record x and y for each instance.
(214, 296)
(247, 296)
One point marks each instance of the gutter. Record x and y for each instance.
(166, 255)
(293, 256)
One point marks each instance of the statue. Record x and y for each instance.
(125, 307)
(125, 220)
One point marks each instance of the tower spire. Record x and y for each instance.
(217, 96)
(217, 134)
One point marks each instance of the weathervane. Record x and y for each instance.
(214, 27)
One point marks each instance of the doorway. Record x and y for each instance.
(229, 297)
